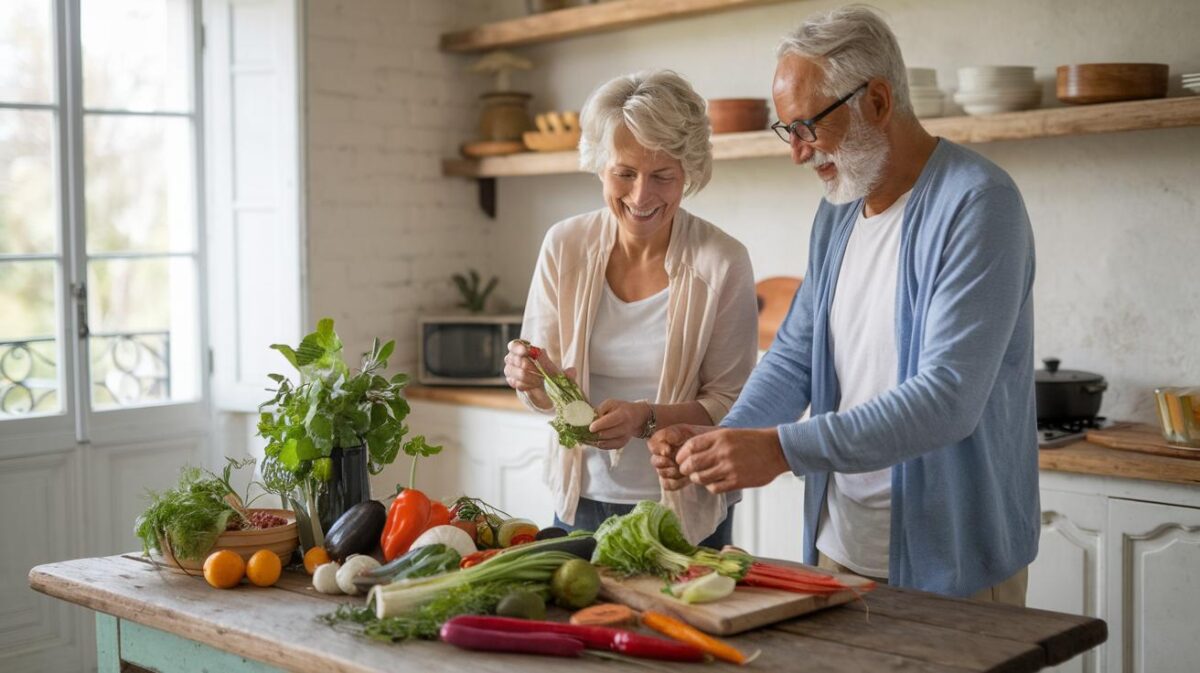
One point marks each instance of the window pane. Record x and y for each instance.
(143, 344)
(27, 204)
(28, 339)
(26, 52)
(136, 55)
(140, 184)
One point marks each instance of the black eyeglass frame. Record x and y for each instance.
(786, 132)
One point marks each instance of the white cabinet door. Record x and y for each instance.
(769, 520)
(1152, 619)
(498, 456)
(1068, 574)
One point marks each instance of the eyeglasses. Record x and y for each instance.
(805, 129)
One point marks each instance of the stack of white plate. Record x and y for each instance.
(1191, 82)
(927, 99)
(997, 88)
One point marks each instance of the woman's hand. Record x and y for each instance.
(618, 422)
(522, 376)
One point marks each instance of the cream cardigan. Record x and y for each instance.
(712, 327)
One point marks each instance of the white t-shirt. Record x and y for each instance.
(856, 521)
(625, 353)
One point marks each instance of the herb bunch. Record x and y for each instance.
(331, 406)
(190, 517)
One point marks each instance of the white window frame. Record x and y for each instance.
(78, 422)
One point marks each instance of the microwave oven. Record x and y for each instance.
(464, 350)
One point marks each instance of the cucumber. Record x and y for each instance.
(578, 413)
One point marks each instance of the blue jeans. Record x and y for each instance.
(591, 513)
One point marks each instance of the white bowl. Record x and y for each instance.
(993, 76)
(1033, 95)
(918, 77)
(1194, 88)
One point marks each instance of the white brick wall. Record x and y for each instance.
(384, 107)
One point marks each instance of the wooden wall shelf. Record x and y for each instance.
(1047, 123)
(585, 20)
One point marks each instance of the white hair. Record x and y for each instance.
(853, 44)
(664, 114)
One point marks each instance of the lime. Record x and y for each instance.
(575, 584)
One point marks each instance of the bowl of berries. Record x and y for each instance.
(271, 529)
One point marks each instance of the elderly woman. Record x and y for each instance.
(650, 308)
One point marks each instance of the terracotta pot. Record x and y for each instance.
(505, 116)
(734, 115)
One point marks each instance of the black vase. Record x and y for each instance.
(348, 485)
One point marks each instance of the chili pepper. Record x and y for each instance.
(594, 637)
(408, 517)
(477, 558)
(469, 637)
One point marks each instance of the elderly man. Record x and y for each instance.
(910, 341)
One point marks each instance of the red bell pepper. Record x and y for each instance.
(439, 515)
(408, 517)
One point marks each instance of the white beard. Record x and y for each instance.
(859, 161)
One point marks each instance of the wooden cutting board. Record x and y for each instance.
(746, 608)
(1140, 437)
(774, 299)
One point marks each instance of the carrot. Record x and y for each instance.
(605, 614)
(673, 628)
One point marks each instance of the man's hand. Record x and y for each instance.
(663, 446)
(728, 459)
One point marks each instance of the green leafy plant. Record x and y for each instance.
(331, 407)
(468, 286)
(650, 540)
(189, 518)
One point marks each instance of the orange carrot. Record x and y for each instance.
(673, 628)
(605, 614)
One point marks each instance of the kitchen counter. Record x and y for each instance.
(1079, 458)
(1088, 458)
(166, 621)
(504, 399)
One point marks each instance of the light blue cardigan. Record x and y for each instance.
(960, 428)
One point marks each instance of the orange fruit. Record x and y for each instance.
(314, 558)
(264, 568)
(224, 569)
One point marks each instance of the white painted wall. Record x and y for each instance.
(384, 106)
(1115, 216)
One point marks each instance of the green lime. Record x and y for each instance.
(575, 584)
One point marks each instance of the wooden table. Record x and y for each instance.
(164, 621)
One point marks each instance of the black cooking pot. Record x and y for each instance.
(1067, 395)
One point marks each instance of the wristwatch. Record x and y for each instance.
(651, 422)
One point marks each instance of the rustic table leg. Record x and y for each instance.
(108, 644)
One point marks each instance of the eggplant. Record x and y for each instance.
(550, 533)
(357, 531)
(578, 543)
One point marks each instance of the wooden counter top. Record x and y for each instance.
(1088, 458)
(278, 626)
(504, 399)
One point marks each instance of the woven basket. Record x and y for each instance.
(283, 540)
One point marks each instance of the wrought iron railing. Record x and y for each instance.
(127, 368)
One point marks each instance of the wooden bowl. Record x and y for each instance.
(283, 540)
(735, 115)
(491, 148)
(552, 141)
(1110, 82)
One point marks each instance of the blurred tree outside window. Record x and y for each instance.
(130, 250)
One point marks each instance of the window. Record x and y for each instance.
(99, 226)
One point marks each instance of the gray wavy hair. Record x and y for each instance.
(664, 114)
(853, 44)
